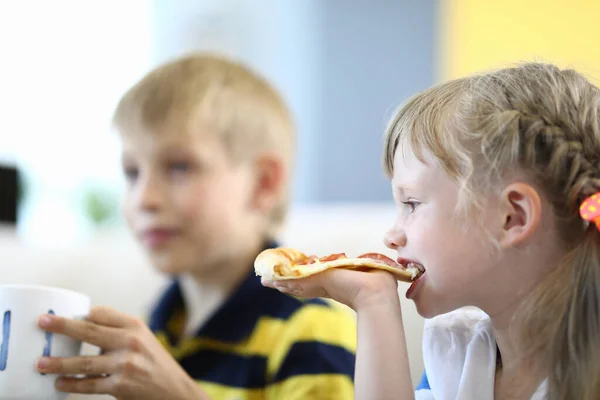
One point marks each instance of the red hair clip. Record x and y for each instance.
(590, 209)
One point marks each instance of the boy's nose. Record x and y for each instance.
(394, 238)
(148, 198)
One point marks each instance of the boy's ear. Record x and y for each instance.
(270, 175)
(522, 211)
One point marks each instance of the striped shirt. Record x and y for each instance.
(262, 344)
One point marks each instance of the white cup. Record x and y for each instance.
(22, 343)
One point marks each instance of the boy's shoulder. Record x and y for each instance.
(310, 312)
(311, 319)
(317, 336)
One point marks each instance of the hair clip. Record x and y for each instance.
(590, 209)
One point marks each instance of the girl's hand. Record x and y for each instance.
(381, 339)
(355, 289)
(134, 364)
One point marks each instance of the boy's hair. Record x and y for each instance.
(219, 95)
(537, 119)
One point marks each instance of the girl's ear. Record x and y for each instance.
(521, 210)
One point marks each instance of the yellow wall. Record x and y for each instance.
(482, 34)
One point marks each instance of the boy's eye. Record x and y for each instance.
(131, 173)
(411, 204)
(179, 167)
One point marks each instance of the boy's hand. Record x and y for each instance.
(134, 365)
(355, 289)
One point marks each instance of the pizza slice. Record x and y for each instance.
(288, 263)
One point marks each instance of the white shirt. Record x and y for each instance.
(459, 352)
(200, 303)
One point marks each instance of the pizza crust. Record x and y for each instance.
(287, 263)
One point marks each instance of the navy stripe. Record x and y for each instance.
(236, 320)
(226, 368)
(312, 358)
(165, 307)
(424, 384)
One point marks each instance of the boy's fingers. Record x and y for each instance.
(85, 365)
(103, 385)
(102, 336)
(110, 317)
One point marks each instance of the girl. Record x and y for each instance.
(493, 176)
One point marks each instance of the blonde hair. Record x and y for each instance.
(222, 96)
(537, 119)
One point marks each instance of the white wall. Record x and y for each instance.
(64, 65)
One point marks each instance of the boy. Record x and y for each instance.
(207, 149)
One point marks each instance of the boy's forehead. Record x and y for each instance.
(173, 132)
(167, 137)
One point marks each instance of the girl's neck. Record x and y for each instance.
(507, 337)
(519, 372)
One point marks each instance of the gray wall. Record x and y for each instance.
(375, 54)
(342, 65)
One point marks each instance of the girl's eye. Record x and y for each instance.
(412, 205)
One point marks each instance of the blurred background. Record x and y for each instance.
(343, 66)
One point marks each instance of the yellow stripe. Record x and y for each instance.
(331, 326)
(259, 343)
(273, 337)
(221, 392)
(162, 338)
(303, 387)
(176, 323)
